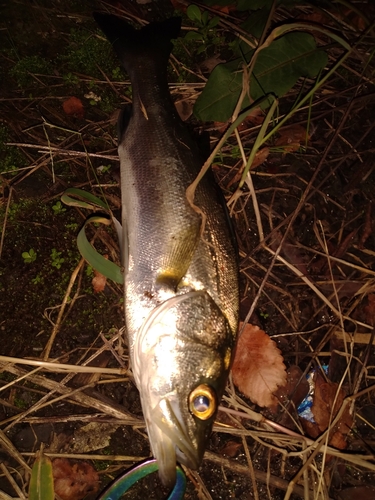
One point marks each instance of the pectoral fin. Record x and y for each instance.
(178, 256)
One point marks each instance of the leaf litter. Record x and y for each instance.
(304, 224)
(258, 368)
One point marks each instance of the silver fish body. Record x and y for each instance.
(181, 284)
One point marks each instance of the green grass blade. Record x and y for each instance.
(41, 481)
(109, 269)
(259, 140)
(90, 201)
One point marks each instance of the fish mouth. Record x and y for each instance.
(170, 441)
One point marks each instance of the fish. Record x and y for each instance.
(181, 277)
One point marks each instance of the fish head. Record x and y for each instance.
(181, 363)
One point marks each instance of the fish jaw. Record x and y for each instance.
(185, 344)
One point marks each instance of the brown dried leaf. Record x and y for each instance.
(291, 137)
(231, 449)
(258, 367)
(345, 244)
(296, 387)
(291, 253)
(328, 399)
(185, 108)
(74, 107)
(210, 63)
(74, 481)
(220, 126)
(99, 280)
(260, 157)
(357, 492)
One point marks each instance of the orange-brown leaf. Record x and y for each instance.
(328, 399)
(291, 137)
(260, 157)
(73, 481)
(98, 282)
(258, 367)
(231, 449)
(74, 107)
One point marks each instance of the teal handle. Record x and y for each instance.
(124, 482)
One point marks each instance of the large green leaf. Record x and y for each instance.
(254, 25)
(277, 69)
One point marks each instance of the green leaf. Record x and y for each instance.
(193, 35)
(277, 69)
(109, 269)
(254, 25)
(41, 481)
(91, 201)
(220, 95)
(213, 22)
(29, 256)
(194, 14)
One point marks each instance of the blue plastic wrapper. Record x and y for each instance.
(304, 409)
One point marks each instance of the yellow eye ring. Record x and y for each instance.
(203, 402)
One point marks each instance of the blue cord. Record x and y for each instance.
(124, 482)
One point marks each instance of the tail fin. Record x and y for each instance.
(152, 41)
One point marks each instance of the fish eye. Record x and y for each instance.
(202, 402)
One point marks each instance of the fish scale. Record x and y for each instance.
(181, 284)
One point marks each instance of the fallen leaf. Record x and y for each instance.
(351, 17)
(295, 389)
(258, 367)
(74, 481)
(316, 17)
(357, 492)
(92, 436)
(260, 157)
(290, 252)
(210, 63)
(178, 5)
(74, 107)
(292, 137)
(185, 108)
(345, 244)
(255, 117)
(328, 399)
(99, 280)
(220, 126)
(231, 449)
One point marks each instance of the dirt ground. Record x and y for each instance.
(304, 227)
